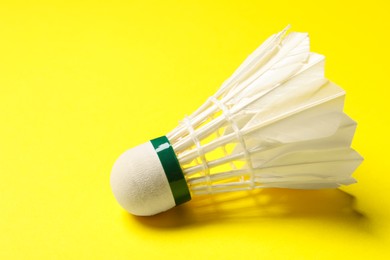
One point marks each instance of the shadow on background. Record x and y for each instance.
(332, 204)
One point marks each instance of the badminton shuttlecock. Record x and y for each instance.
(276, 122)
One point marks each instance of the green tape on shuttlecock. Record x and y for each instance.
(172, 169)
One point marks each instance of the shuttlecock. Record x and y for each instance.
(276, 122)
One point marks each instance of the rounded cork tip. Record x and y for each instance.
(139, 183)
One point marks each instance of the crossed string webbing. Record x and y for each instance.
(200, 152)
(226, 113)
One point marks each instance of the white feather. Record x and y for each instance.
(282, 117)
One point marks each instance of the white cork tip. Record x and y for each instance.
(139, 183)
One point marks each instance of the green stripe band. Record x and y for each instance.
(172, 169)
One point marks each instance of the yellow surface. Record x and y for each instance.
(80, 82)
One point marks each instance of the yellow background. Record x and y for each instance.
(81, 81)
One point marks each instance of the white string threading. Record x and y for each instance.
(226, 113)
(225, 152)
(200, 152)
